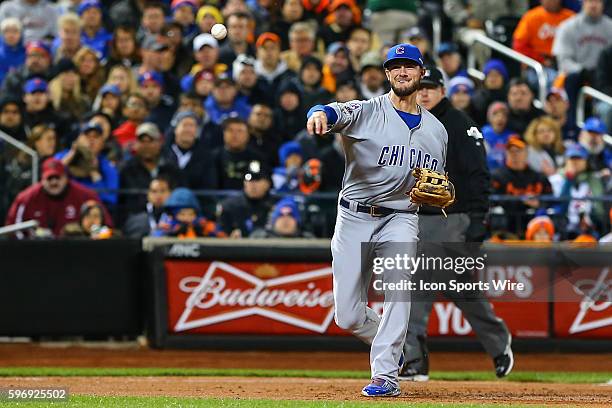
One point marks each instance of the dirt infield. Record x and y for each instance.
(498, 392)
(503, 393)
(20, 355)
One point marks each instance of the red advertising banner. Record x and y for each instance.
(526, 312)
(583, 307)
(287, 298)
(250, 297)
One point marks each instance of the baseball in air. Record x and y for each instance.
(218, 31)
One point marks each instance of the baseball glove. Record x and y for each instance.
(432, 188)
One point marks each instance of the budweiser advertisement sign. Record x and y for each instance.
(585, 309)
(250, 297)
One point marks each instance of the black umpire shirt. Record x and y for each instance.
(466, 163)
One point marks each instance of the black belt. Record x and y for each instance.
(374, 210)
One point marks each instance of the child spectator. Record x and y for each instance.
(92, 223)
(286, 177)
(545, 147)
(285, 222)
(540, 229)
(182, 218)
(496, 134)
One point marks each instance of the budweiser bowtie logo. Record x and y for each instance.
(225, 292)
(597, 298)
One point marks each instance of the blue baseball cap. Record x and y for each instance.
(447, 48)
(151, 76)
(594, 125)
(87, 4)
(86, 127)
(110, 88)
(404, 52)
(576, 150)
(35, 85)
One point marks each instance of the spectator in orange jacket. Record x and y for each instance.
(535, 32)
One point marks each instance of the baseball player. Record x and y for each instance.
(384, 139)
(467, 169)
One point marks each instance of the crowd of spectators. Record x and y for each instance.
(132, 106)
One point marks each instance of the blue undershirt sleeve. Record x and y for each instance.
(332, 116)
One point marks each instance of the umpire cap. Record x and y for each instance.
(432, 78)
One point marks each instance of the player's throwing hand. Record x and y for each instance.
(317, 123)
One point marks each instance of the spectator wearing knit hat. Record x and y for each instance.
(238, 30)
(460, 92)
(285, 222)
(207, 17)
(184, 13)
(540, 229)
(342, 17)
(496, 134)
(285, 177)
(494, 89)
(37, 63)
(94, 35)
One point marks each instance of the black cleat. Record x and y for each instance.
(504, 362)
(417, 369)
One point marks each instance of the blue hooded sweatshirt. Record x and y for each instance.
(10, 57)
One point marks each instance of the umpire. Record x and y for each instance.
(467, 169)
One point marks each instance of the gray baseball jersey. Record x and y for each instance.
(381, 150)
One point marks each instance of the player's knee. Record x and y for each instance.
(349, 320)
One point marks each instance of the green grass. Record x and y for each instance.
(521, 376)
(154, 402)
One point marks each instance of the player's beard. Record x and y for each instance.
(412, 88)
